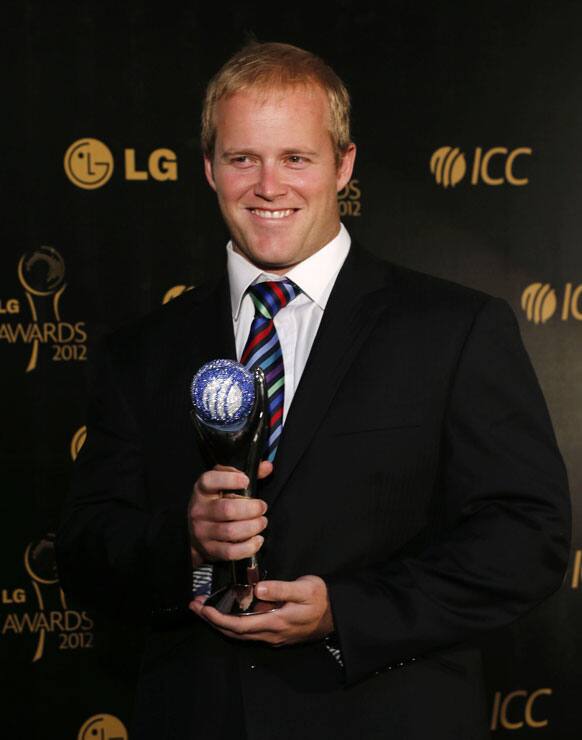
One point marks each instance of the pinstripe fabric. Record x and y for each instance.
(202, 580)
(263, 349)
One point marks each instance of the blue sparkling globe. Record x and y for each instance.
(223, 392)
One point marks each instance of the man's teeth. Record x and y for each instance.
(272, 214)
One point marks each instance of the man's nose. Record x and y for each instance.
(270, 184)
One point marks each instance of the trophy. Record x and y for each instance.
(230, 417)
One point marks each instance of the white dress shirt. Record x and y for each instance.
(298, 322)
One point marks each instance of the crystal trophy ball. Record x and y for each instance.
(223, 392)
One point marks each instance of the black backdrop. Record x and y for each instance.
(99, 237)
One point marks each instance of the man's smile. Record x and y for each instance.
(270, 215)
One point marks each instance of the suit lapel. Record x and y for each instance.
(355, 303)
(211, 326)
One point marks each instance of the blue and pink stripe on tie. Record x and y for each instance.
(263, 349)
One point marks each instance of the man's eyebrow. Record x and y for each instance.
(238, 152)
(300, 150)
(233, 152)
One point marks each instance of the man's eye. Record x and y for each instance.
(297, 159)
(241, 159)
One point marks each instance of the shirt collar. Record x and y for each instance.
(315, 276)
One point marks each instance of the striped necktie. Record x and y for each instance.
(263, 349)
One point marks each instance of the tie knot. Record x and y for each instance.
(271, 296)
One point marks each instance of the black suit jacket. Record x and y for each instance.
(417, 473)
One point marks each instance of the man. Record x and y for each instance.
(413, 496)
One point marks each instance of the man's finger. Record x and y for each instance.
(197, 604)
(265, 469)
(234, 550)
(213, 482)
(295, 591)
(235, 508)
(239, 531)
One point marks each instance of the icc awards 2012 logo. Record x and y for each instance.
(41, 274)
(37, 609)
(350, 199)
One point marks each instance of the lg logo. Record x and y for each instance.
(89, 164)
(495, 166)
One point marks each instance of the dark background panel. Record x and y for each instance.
(132, 75)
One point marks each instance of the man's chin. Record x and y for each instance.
(267, 262)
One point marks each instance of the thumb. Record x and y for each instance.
(279, 591)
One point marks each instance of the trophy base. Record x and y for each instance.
(239, 600)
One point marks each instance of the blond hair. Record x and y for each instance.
(274, 66)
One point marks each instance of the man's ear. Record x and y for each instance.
(208, 172)
(344, 171)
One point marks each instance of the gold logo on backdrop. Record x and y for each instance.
(103, 727)
(577, 569)
(539, 302)
(516, 709)
(78, 441)
(350, 199)
(448, 165)
(162, 165)
(88, 163)
(51, 615)
(41, 274)
(174, 292)
(494, 166)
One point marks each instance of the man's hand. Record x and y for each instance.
(305, 615)
(224, 526)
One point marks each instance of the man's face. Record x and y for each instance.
(275, 173)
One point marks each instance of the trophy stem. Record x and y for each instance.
(240, 447)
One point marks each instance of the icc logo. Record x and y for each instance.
(103, 727)
(89, 164)
(516, 709)
(539, 302)
(449, 165)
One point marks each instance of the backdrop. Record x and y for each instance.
(469, 132)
